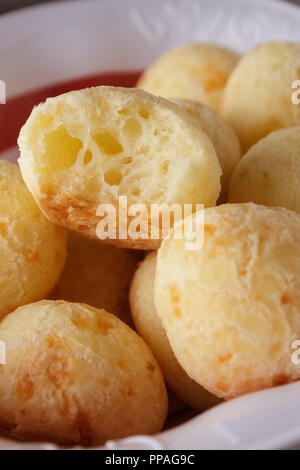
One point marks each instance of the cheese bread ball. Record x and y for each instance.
(269, 173)
(76, 375)
(32, 250)
(82, 150)
(99, 275)
(231, 310)
(258, 95)
(223, 137)
(197, 71)
(149, 326)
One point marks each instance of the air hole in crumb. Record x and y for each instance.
(61, 150)
(107, 143)
(144, 149)
(126, 160)
(164, 139)
(113, 176)
(132, 129)
(123, 111)
(164, 166)
(87, 157)
(136, 191)
(144, 113)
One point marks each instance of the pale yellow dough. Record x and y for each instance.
(32, 249)
(231, 310)
(99, 275)
(88, 147)
(77, 375)
(269, 173)
(197, 71)
(258, 95)
(149, 326)
(223, 137)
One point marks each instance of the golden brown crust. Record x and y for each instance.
(32, 250)
(77, 375)
(99, 275)
(258, 94)
(231, 309)
(80, 217)
(196, 71)
(269, 173)
(149, 326)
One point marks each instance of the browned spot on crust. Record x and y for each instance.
(25, 386)
(83, 425)
(280, 379)
(225, 358)
(223, 387)
(80, 321)
(73, 213)
(103, 326)
(121, 365)
(6, 427)
(150, 366)
(212, 78)
(57, 370)
(285, 299)
(56, 364)
(127, 392)
(53, 341)
(64, 405)
(103, 382)
(209, 229)
(33, 256)
(175, 294)
(96, 325)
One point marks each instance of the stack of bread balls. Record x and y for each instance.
(103, 317)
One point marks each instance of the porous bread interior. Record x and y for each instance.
(104, 142)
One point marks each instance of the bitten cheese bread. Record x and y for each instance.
(231, 310)
(197, 71)
(82, 150)
(77, 375)
(223, 137)
(258, 95)
(32, 249)
(99, 275)
(269, 173)
(149, 326)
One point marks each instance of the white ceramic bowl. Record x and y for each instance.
(42, 47)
